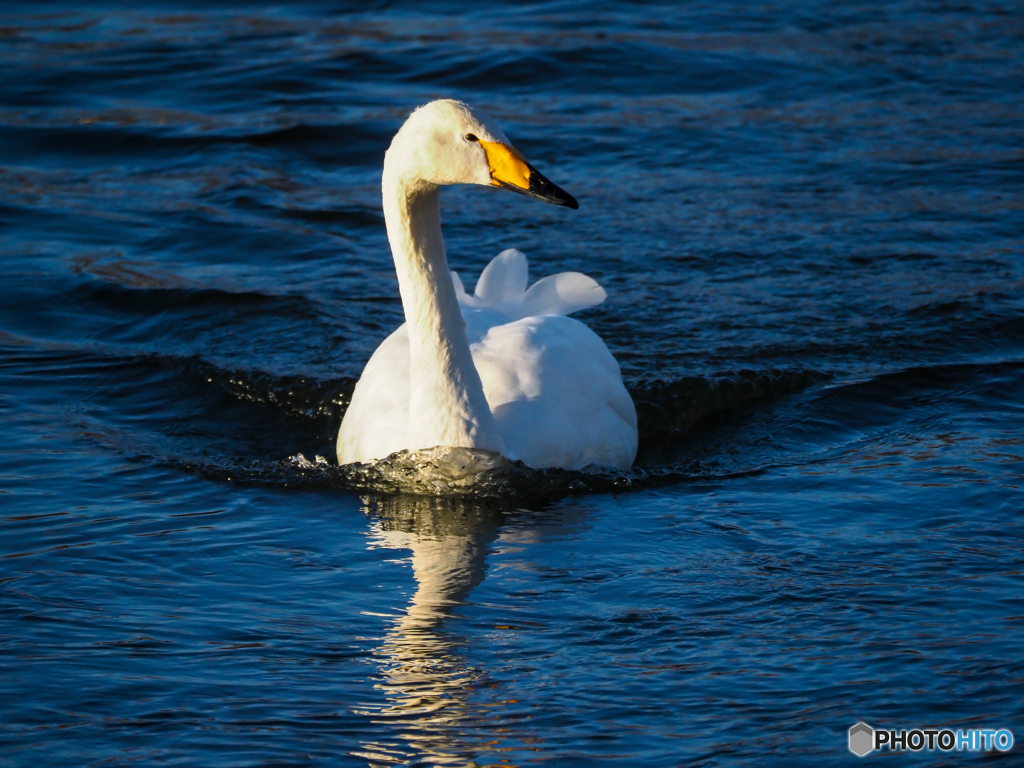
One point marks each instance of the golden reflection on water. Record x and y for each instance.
(428, 683)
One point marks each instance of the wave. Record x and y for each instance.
(691, 429)
(95, 143)
(254, 426)
(668, 413)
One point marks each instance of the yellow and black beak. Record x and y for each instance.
(510, 170)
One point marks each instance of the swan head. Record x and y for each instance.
(449, 142)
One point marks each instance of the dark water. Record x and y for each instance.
(810, 222)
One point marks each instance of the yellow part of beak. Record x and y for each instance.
(507, 165)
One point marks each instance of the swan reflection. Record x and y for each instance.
(427, 682)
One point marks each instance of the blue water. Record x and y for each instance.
(808, 218)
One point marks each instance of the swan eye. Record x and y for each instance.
(470, 137)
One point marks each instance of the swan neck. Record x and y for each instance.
(447, 406)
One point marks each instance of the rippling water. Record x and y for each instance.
(808, 218)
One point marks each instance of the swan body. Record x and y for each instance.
(504, 370)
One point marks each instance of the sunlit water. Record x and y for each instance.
(808, 219)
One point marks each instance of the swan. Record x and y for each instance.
(503, 370)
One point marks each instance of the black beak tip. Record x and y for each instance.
(544, 190)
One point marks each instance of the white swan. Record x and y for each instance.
(503, 370)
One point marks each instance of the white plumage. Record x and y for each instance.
(503, 370)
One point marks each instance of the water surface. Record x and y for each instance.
(808, 221)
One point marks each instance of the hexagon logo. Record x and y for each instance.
(862, 739)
